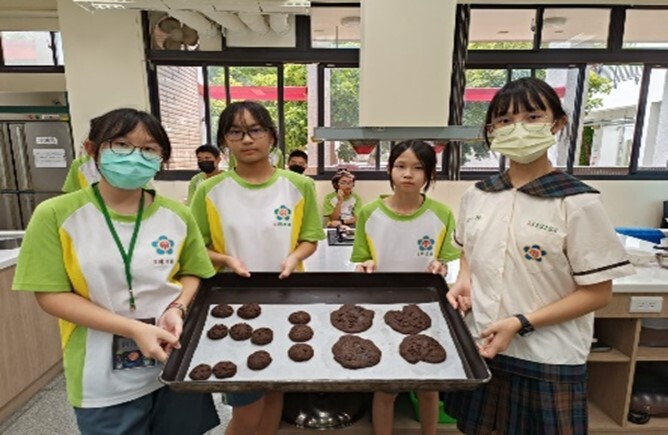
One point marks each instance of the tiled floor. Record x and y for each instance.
(49, 413)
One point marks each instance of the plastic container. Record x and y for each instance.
(653, 235)
(443, 418)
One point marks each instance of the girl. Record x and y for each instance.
(256, 218)
(425, 227)
(123, 308)
(539, 253)
(342, 206)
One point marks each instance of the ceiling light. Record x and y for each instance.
(503, 32)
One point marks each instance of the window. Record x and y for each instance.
(646, 28)
(180, 90)
(502, 29)
(335, 27)
(575, 28)
(654, 144)
(29, 49)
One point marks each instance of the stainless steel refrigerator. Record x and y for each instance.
(34, 159)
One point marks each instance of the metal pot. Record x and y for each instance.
(323, 410)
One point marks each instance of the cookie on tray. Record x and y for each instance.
(217, 331)
(259, 360)
(249, 311)
(353, 352)
(416, 348)
(300, 333)
(410, 320)
(200, 372)
(241, 331)
(299, 318)
(351, 318)
(222, 311)
(300, 352)
(262, 336)
(224, 369)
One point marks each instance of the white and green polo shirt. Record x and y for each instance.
(350, 207)
(398, 243)
(195, 181)
(69, 248)
(82, 173)
(260, 224)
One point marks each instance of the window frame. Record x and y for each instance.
(33, 69)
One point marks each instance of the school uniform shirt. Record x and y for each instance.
(192, 185)
(82, 173)
(532, 246)
(404, 243)
(68, 247)
(350, 207)
(259, 224)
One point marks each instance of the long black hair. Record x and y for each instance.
(527, 94)
(425, 154)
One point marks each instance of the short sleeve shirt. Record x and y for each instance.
(82, 173)
(192, 185)
(350, 207)
(409, 243)
(69, 248)
(260, 224)
(532, 246)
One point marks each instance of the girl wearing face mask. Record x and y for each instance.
(118, 265)
(539, 256)
(208, 160)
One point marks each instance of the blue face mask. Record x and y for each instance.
(127, 172)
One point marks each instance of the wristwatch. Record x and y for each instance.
(527, 328)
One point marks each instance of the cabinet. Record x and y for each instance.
(611, 373)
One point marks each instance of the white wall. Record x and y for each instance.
(628, 203)
(105, 64)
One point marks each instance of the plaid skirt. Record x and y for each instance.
(523, 397)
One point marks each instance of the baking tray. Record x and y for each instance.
(335, 288)
(334, 238)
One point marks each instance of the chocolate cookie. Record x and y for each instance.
(415, 348)
(410, 320)
(351, 318)
(224, 369)
(222, 311)
(262, 336)
(353, 352)
(300, 333)
(217, 331)
(299, 318)
(241, 331)
(259, 360)
(300, 352)
(249, 311)
(201, 372)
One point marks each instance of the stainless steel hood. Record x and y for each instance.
(451, 133)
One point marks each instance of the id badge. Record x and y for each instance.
(126, 353)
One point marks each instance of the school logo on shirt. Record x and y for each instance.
(163, 246)
(425, 246)
(534, 252)
(282, 216)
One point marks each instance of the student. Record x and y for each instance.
(121, 311)
(256, 218)
(406, 232)
(208, 161)
(298, 161)
(83, 171)
(342, 206)
(539, 256)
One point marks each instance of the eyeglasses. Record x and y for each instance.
(346, 183)
(505, 125)
(123, 148)
(254, 133)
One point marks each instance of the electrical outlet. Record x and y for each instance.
(646, 304)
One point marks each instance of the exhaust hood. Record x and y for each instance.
(451, 133)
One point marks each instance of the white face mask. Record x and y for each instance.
(523, 142)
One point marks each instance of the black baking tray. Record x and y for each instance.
(334, 288)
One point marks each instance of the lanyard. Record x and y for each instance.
(126, 256)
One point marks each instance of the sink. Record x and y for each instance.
(10, 242)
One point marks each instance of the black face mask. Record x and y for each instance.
(207, 166)
(297, 168)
